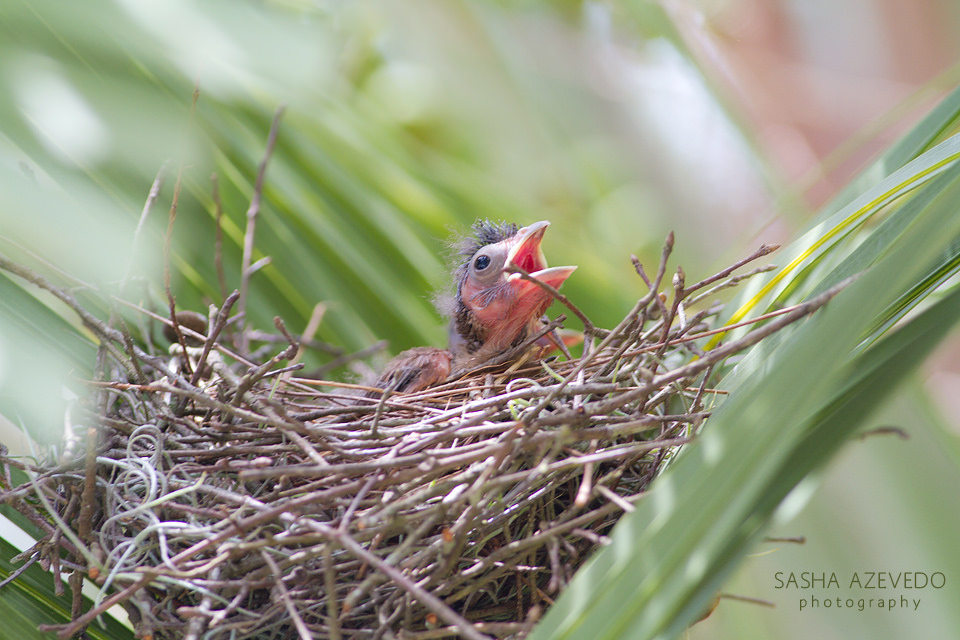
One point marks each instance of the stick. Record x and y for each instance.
(248, 236)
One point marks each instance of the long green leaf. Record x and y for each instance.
(865, 254)
(29, 602)
(821, 241)
(934, 127)
(668, 557)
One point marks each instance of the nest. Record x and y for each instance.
(214, 493)
(226, 497)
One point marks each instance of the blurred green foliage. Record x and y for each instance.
(403, 124)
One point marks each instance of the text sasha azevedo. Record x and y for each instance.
(860, 580)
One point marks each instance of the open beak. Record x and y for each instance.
(527, 254)
(512, 306)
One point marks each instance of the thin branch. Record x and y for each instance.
(171, 300)
(764, 250)
(281, 589)
(214, 333)
(588, 326)
(252, 213)
(435, 604)
(152, 197)
(730, 282)
(218, 239)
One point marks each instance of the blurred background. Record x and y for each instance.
(730, 122)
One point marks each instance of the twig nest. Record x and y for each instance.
(244, 502)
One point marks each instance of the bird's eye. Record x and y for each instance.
(481, 263)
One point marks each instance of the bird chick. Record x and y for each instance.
(492, 310)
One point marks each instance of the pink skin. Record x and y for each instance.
(504, 303)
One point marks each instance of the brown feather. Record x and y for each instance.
(414, 370)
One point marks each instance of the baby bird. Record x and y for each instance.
(492, 311)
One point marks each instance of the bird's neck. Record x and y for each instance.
(472, 343)
(467, 335)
